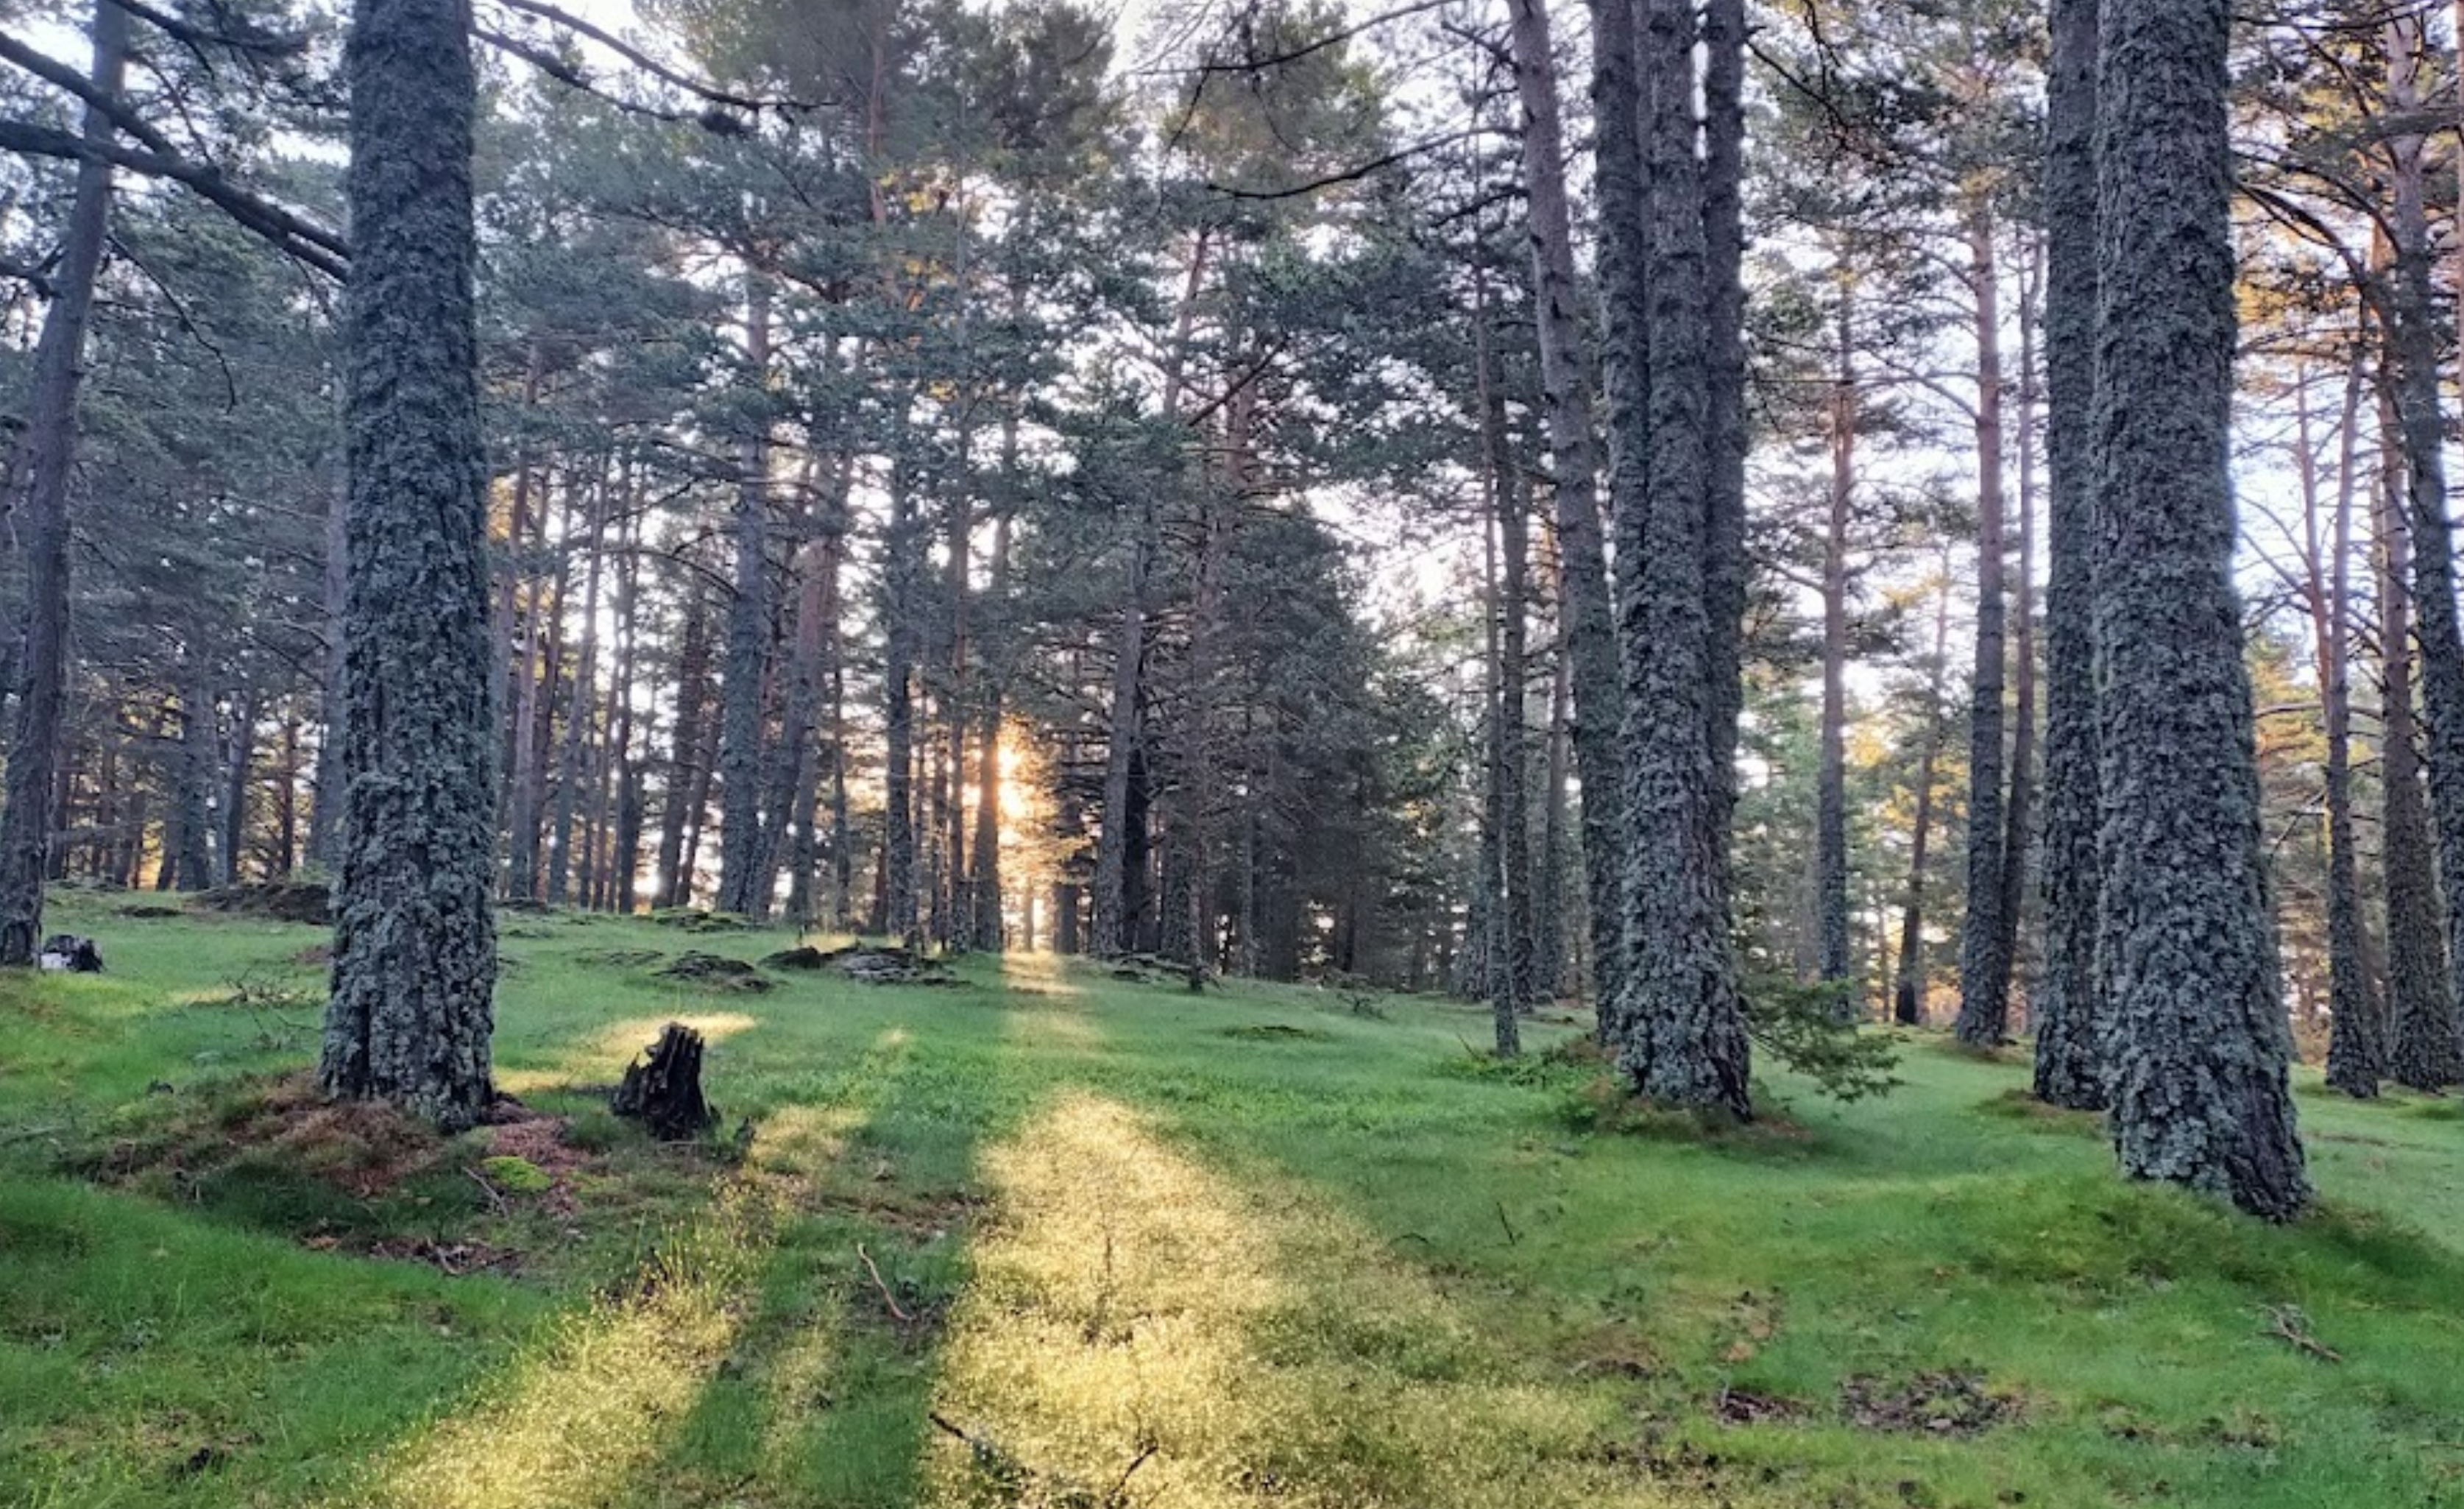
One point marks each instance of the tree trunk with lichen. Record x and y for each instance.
(414, 943)
(2066, 1011)
(2202, 1095)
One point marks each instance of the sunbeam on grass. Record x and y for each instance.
(584, 1412)
(1142, 1331)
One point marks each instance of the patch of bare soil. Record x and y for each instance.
(1744, 1407)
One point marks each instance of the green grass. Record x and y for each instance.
(1137, 1247)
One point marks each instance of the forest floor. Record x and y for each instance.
(1044, 1237)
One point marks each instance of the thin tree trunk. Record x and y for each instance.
(686, 783)
(743, 867)
(239, 775)
(898, 675)
(1588, 618)
(1909, 993)
(2020, 819)
(2354, 1053)
(1984, 965)
(325, 813)
(51, 457)
(1831, 802)
(2071, 1020)
(581, 705)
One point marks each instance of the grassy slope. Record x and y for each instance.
(1340, 1267)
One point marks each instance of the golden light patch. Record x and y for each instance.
(1141, 1328)
(583, 1413)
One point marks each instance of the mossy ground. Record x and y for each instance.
(1054, 1238)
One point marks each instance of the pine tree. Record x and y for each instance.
(2202, 1095)
(414, 947)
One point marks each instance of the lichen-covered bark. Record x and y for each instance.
(2202, 1095)
(414, 943)
(2413, 343)
(2422, 1051)
(43, 522)
(1619, 268)
(2068, 1016)
(1984, 960)
(1682, 1039)
(1574, 461)
(745, 872)
(1724, 498)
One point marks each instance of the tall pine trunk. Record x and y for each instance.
(2069, 1017)
(415, 944)
(1984, 958)
(1683, 1037)
(51, 446)
(1831, 799)
(2414, 344)
(2202, 1096)
(1588, 619)
(744, 871)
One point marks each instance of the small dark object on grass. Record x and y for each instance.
(74, 955)
(150, 912)
(665, 1092)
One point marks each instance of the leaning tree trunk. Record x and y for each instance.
(2202, 1095)
(414, 943)
(2071, 1067)
(1590, 618)
(51, 446)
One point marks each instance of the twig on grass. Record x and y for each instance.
(2289, 1325)
(903, 1316)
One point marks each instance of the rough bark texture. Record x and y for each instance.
(1682, 1039)
(2068, 1017)
(744, 868)
(2202, 1095)
(1984, 960)
(1583, 581)
(43, 522)
(1723, 495)
(2355, 1052)
(1619, 268)
(2423, 1049)
(2413, 342)
(414, 947)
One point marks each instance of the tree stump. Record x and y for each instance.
(665, 1092)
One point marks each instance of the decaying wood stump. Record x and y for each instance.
(665, 1092)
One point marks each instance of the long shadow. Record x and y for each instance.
(826, 1398)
